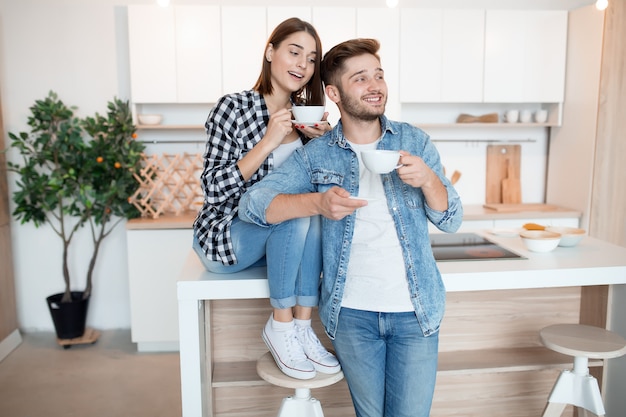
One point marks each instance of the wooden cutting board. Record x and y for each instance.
(519, 208)
(511, 187)
(503, 163)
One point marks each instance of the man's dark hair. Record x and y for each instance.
(335, 58)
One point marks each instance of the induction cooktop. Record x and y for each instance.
(467, 247)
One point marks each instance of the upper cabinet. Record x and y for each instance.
(197, 53)
(175, 54)
(525, 56)
(473, 56)
(244, 33)
(441, 55)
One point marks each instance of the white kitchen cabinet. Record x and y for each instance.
(174, 53)
(441, 55)
(198, 53)
(276, 15)
(244, 31)
(152, 48)
(155, 259)
(525, 56)
(334, 25)
(383, 24)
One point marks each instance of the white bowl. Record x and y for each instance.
(149, 119)
(308, 114)
(570, 236)
(540, 240)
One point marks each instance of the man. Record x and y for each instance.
(382, 297)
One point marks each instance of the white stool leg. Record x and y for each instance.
(578, 388)
(585, 413)
(301, 405)
(553, 409)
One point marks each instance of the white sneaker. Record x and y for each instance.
(323, 361)
(287, 352)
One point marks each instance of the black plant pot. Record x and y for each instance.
(69, 318)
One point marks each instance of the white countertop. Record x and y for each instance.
(470, 212)
(591, 262)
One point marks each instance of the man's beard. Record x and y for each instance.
(354, 109)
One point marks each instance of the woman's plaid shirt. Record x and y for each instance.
(234, 126)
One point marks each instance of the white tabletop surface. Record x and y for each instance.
(591, 262)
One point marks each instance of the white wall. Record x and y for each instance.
(78, 48)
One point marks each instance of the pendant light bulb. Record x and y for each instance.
(392, 3)
(602, 4)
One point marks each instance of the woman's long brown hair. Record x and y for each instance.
(313, 92)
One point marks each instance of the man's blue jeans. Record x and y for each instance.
(389, 365)
(292, 251)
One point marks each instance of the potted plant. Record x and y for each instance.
(75, 172)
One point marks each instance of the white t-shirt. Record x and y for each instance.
(376, 278)
(284, 150)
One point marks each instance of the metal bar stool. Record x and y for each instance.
(576, 386)
(301, 404)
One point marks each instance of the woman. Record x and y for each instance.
(249, 134)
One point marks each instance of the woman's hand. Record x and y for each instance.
(316, 130)
(278, 127)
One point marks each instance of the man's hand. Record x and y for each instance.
(416, 173)
(336, 204)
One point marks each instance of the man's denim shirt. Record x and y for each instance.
(329, 161)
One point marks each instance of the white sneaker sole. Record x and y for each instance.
(294, 373)
(325, 369)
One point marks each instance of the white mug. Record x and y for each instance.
(511, 116)
(541, 116)
(525, 116)
(380, 161)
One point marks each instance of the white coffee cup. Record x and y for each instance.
(380, 161)
(307, 114)
(541, 116)
(525, 116)
(511, 116)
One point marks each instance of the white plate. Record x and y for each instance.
(354, 197)
(295, 122)
(505, 232)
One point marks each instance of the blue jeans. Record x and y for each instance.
(389, 365)
(292, 251)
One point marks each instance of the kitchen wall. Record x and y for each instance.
(79, 48)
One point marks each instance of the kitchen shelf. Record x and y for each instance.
(482, 125)
(170, 127)
(243, 374)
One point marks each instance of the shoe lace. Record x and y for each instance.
(294, 347)
(309, 340)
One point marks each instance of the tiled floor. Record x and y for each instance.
(108, 378)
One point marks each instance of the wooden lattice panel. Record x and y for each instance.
(168, 183)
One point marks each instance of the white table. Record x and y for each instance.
(591, 263)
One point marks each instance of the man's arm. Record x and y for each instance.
(333, 204)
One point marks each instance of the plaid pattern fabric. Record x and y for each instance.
(234, 126)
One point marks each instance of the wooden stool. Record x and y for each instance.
(301, 404)
(576, 386)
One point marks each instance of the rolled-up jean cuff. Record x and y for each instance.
(304, 301)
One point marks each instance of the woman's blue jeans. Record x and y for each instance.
(292, 251)
(389, 365)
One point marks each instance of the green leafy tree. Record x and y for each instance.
(68, 180)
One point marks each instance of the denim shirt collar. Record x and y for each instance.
(337, 137)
